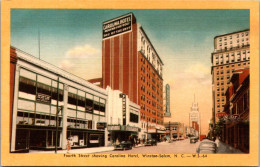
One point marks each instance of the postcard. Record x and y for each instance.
(129, 83)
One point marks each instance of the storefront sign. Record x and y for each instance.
(113, 127)
(123, 96)
(131, 128)
(117, 26)
(101, 125)
(231, 118)
(43, 98)
(221, 114)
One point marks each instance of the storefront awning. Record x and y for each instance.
(123, 128)
(154, 131)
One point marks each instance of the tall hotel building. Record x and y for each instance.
(131, 64)
(231, 52)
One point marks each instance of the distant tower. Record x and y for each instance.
(167, 112)
(194, 114)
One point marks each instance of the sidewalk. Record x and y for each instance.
(225, 148)
(82, 150)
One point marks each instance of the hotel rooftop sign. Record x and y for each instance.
(118, 25)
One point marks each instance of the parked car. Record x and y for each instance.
(123, 145)
(151, 142)
(193, 140)
(207, 146)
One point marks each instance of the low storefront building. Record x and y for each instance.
(123, 119)
(235, 121)
(51, 106)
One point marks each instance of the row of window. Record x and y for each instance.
(149, 54)
(231, 42)
(222, 77)
(232, 54)
(230, 36)
(46, 94)
(233, 65)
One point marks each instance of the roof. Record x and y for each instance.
(231, 33)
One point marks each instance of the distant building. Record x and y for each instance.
(175, 130)
(231, 52)
(167, 112)
(194, 117)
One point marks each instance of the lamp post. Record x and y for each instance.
(147, 130)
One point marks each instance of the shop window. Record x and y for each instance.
(134, 117)
(102, 107)
(54, 94)
(72, 99)
(96, 105)
(89, 105)
(27, 86)
(81, 101)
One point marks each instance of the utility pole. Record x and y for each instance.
(57, 116)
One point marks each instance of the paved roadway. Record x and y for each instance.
(182, 146)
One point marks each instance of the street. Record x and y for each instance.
(182, 146)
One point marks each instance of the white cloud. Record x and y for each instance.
(83, 61)
(66, 65)
(82, 52)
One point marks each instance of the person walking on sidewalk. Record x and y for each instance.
(217, 141)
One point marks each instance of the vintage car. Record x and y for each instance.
(207, 146)
(151, 142)
(123, 145)
(193, 140)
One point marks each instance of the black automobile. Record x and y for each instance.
(151, 142)
(193, 140)
(123, 145)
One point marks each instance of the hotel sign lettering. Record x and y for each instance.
(117, 26)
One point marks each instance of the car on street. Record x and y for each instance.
(151, 142)
(193, 140)
(123, 145)
(207, 146)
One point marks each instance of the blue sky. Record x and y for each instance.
(71, 39)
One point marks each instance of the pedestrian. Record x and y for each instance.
(217, 141)
(68, 146)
